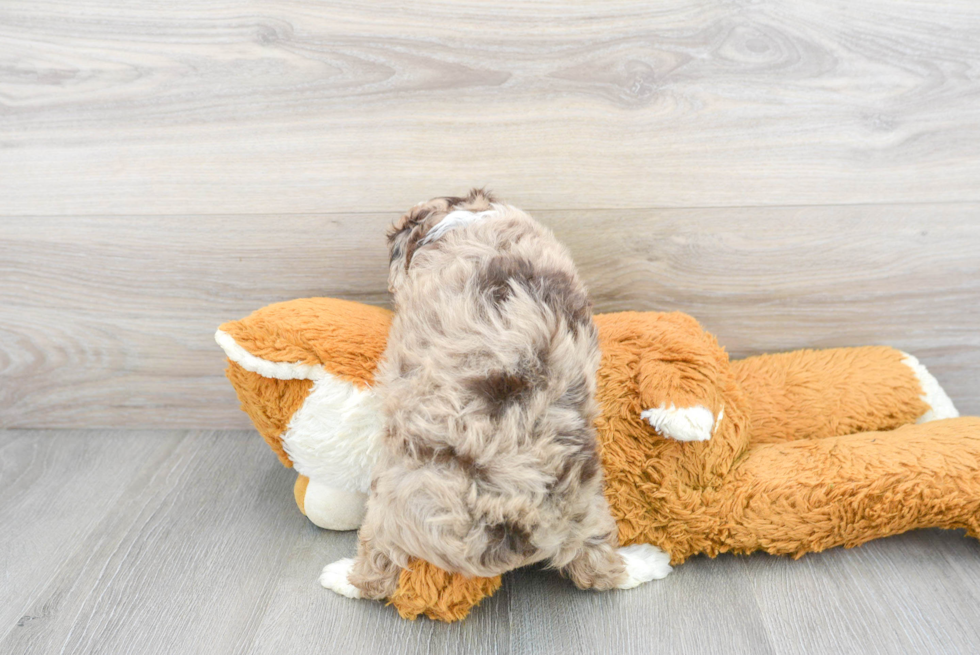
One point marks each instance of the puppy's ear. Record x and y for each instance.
(409, 232)
(477, 199)
(403, 239)
(404, 235)
(508, 545)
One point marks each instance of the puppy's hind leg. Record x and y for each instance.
(374, 574)
(601, 565)
(597, 565)
(371, 574)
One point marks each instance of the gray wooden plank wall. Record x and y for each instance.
(794, 175)
(184, 107)
(108, 321)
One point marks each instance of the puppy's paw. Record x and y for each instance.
(334, 578)
(643, 564)
(683, 423)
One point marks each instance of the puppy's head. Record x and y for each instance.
(421, 224)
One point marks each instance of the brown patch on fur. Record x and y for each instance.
(599, 539)
(590, 467)
(404, 227)
(498, 275)
(565, 296)
(468, 464)
(471, 198)
(500, 390)
(504, 540)
(397, 442)
(586, 462)
(411, 247)
(424, 452)
(558, 290)
(447, 455)
(562, 477)
(453, 201)
(582, 438)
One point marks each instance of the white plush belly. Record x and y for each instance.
(333, 438)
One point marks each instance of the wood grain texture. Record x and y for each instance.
(168, 567)
(198, 547)
(108, 321)
(200, 108)
(55, 489)
(863, 603)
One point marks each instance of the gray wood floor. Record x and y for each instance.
(189, 542)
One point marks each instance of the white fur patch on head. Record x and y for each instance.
(682, 423)
(932, 394)
(334, 578)
(643, 564)
(458, 219)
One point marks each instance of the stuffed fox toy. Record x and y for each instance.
(788, 453)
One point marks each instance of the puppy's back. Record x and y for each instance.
(488, 387)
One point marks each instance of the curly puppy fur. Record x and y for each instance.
(489, 460)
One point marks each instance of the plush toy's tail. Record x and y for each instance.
(804, 496)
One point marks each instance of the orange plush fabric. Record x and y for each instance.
(814, 449)
(348, 345)
(426, 589)
(679, 495)
(269, 402)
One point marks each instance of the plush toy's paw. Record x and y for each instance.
(940, 406)
(643, 564)
(683, 423)
(334, 578)
(332, 508)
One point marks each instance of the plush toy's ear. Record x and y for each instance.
(277, 353)
(293, 339)
(427, 589)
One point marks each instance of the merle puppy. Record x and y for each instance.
(489, 457)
